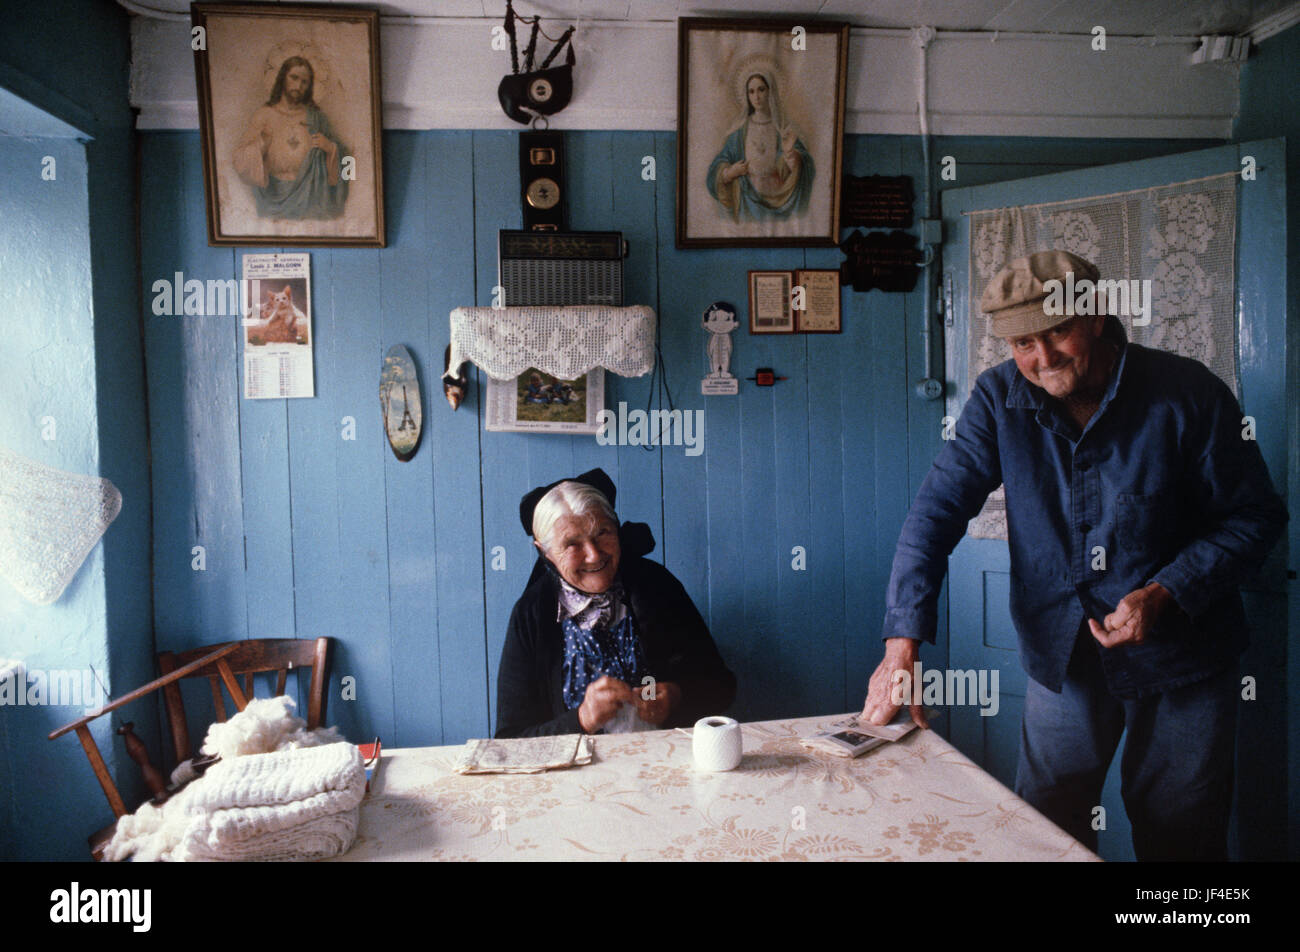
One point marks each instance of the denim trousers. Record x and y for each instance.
(1176, 770)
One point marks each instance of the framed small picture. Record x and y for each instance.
(770, 310)
(537, 402)
(817, 307)
(760, 124)
(289, 115)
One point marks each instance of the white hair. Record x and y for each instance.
(569, 498)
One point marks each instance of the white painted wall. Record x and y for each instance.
(445, 75)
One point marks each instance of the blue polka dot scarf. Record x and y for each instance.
(599, 640)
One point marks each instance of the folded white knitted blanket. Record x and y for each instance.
(297, 804)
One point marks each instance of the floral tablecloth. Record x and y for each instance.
(642, 799)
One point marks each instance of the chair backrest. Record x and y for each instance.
(249, 658)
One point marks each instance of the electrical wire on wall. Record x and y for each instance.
(659, 372)
(929, 387)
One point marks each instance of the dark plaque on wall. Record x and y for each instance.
(877, 201)
(888, 261)
(541, 176)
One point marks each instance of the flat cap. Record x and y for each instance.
(1014, 297)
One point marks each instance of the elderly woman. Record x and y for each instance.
(602, 639)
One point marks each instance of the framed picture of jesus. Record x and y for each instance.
(290, 119)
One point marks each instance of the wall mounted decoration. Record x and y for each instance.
(455, 384)
(541, 181)
(820, 311)
(277, 327)
(289, 116)
(719, 321)
(760, 123)
(399, 400)
(535, 92)
(889, 261)
(877, 201)
(769, 302)
(538, 402)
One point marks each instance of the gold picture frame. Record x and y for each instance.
(291, 124)
(758, 153)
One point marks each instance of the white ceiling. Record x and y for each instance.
(1119, 17)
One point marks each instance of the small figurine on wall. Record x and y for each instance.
(719, 321)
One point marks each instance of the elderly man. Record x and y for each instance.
(1136, 504)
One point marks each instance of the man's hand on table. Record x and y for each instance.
(881, 706)
(1133, 617)
(602, 701)
(655, 710)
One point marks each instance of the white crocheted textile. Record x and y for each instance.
(299, 802)
(49, 522)
(565, 342)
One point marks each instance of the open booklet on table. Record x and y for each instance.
(524, 754)
(851, 737)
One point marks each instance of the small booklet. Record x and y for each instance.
(851, 737)
(524, 754)
(844, 742)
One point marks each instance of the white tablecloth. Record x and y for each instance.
(642, 799)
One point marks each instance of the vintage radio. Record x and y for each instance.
(561, 268)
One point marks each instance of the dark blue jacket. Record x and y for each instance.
(1161, 478)
(674, 638)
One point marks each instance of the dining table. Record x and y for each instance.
(641, 798)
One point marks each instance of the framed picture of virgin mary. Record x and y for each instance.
(289, 115)
(760, 124)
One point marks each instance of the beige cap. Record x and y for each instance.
(1014, 298)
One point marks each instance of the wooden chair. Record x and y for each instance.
(220, 664)
(257, 656)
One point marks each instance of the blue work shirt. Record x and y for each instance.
(1160, 478)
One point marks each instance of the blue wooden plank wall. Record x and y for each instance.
(307, 533)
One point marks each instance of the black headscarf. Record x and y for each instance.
(634, 538)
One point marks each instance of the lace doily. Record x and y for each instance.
(49, 522)
(1182, 237)
(565, 342)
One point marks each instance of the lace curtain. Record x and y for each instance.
(1181, 237)
(565, 342)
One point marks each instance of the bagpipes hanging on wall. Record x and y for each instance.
(540, 91)
(531, 96)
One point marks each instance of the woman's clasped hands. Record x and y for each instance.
(606, 695)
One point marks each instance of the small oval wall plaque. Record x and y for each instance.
(399, 399)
